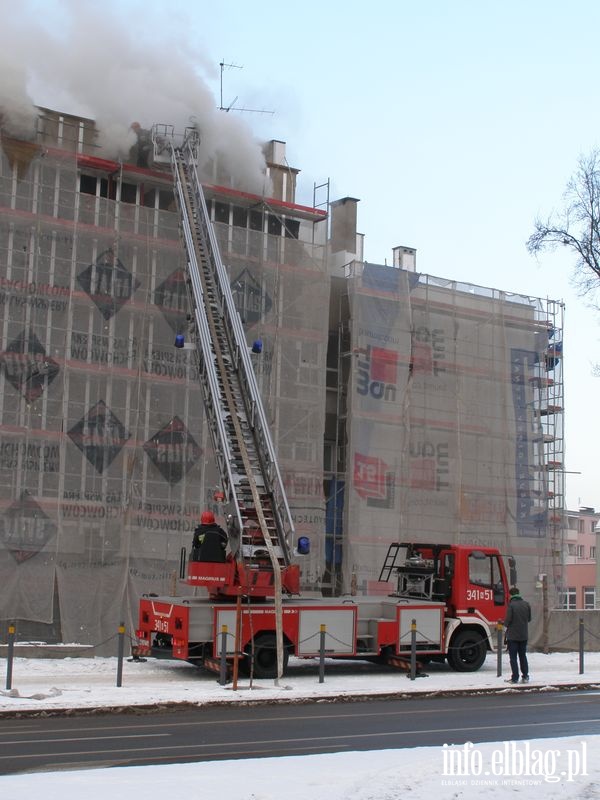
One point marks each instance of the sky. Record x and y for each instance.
(419, 773)
(455, 124)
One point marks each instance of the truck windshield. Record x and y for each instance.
(485, 571)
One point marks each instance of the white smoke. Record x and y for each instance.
(17, 113)
(117, 71)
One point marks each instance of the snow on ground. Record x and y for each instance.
(549, 768)
(91, 682)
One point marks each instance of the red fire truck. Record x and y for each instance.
(455, 593)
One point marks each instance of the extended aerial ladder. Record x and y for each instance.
(260, 524)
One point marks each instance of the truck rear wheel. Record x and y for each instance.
(262, 658)
(467, 651)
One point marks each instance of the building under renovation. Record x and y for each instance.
(403, 407)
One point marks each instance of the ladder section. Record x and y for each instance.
(244, 450)
(391, 560)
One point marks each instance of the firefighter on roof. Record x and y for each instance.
(210, 540)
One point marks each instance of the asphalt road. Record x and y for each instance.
(214, 733)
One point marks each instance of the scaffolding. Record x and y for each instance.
(549, 403)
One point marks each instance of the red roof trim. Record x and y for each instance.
(107, 165)
(270, 200)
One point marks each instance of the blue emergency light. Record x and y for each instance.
(180, 340)
(303, 546)
(257, 346)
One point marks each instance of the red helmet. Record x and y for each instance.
(207, 518)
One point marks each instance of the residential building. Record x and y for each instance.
(581, 578)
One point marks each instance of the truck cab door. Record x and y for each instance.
(486, 588)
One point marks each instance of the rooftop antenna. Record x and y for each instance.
(232, 107)
(222, 65)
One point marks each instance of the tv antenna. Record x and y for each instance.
(232, 107)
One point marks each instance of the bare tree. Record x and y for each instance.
(577, 225)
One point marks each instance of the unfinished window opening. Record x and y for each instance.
(222, 212)
(128, 193)
(108, 188)
(87, 184)
(165, 200)
(240, 217)
(148, 197)
(274, 225)
(256, 220)
(292, 228)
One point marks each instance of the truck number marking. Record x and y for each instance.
(479, 594)
(161, 625)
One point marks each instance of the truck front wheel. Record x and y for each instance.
(467, 651)
(261, 659)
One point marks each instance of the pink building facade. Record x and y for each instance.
(581, 567)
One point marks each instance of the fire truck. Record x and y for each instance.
(246, 608)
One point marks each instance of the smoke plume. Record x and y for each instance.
(85, 60)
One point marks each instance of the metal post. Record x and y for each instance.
(120, 650)
(10, 654)
(238, 640)
(223, 662)
(322, 654)
(499, 646)
(581, 643)
(413, 649)
(545, 615)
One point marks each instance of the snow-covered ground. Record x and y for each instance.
(91, 682)
(552, 768)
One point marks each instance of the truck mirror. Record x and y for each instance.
(512, 566)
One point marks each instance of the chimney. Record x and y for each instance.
(343, 225)
(283, 177)
(274, 151)
(405, 258)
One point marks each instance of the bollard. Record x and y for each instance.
(10, 654)
(499, 645)
(413, 649)
(223, 661)
(581, 645)
(237, 642)
(322, 654)
(120, 651)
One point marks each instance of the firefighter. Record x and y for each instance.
(142, 150)
(210, 540)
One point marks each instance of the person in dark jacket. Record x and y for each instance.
(210, 540)
(516, 624)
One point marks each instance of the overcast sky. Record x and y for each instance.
(454, 123)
